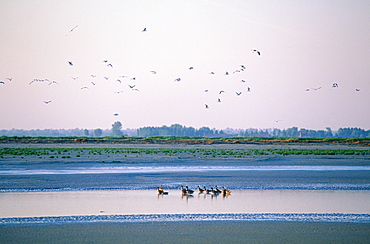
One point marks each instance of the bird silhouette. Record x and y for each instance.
(227, 73)
(105, 77)
(143, 30)
(335, 85)
(206, 105)
(2, 82)
(178, 79)
(238, 93)
(72, 29)
(219, 100)
(115, 114)
(256, 51)
(190, 68)
(248, 89)
(93, 76)
(110, 65)
(153, 72)
(53, 82)
(212, 73)
(74, 78)
(47, 102)
(357, 89)
(131, 86)
(70, 63)
(10, 78)
(222, 91)
(85, 87)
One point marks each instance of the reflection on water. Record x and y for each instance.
(149, 202)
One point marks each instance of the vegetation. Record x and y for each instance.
(188, 140)
(199, 152)
(183, 131)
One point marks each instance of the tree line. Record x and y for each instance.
(183, 131)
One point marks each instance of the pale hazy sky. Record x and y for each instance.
(303, 44)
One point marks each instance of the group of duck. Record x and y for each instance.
(188, 192)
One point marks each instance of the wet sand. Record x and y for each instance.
(79, 203)
(188, 232)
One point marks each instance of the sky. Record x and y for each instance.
(306, 48)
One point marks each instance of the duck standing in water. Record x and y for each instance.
(161, 191)
(225, 191)
(186, 190)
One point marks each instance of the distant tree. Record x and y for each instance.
(98, 132)
(86, 132)
(117, 129)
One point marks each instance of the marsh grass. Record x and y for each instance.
(67, 153)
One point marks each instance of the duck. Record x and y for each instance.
(200, 190)
(161, 191)
(186, 191)
(225, 191)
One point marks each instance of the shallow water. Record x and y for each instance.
(77, 203)
(147, 172)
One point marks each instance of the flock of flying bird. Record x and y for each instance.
(133, 87)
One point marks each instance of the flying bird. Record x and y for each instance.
(190, 68)
(105, 61)
(206, 105)
(105, 77)
(115, 114)
(335, 85)
(212, 73)
(85, 87)
(178, 79)
(93, 83)
(131, 86)
(53, 82)
(93, 76)
(118, 80)
(238, 93)
(243, 66)
(248, 89)
(110, 65)
(242, 81)
(357, 89)
(315, 89)
(74, 78)
(227, 73)
(221, 91)
(153, 72)
(256, 51)
(219, 100)
(72, 29)
(10, 79)
(2, 82)
(47, 102)
(143, 30)
(70, 63)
